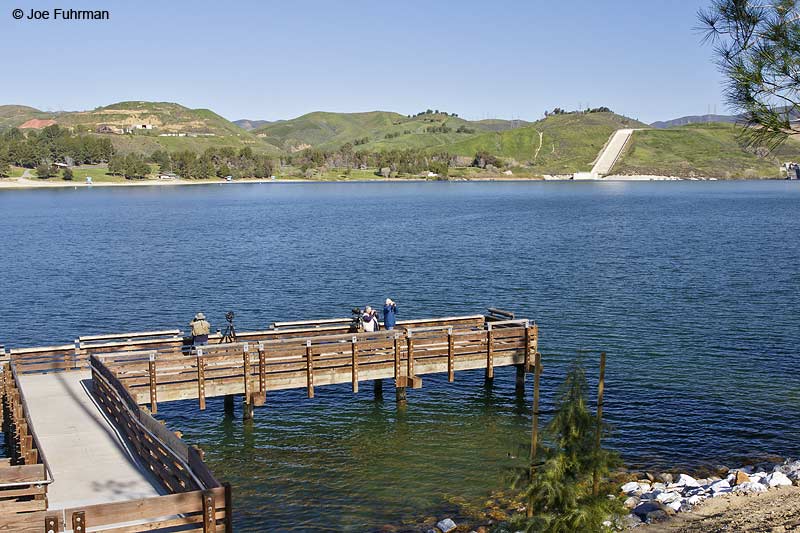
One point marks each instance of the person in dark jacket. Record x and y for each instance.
(389, 314)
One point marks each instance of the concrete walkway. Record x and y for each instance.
(607, 159)
(89, 463)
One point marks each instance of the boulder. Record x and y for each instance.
(644, 508)
(719, 485)
(665, 477)
(687, 481)
(749, 487)
(676, 505)
(631, 488)
(777, 479)
(631, 502)
(657, 516)
(694, 500)
(668, 497)
(740, 477)
(659, 486)
(446, 525)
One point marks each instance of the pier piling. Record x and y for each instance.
(229, 404)
(377, 387)
(520, 381)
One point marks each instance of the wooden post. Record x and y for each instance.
(528, 336)
(262, 376)
(489, 353)
(228, 508)
(451, 374)
(519, 388)
(309, 370)
(151, 369)
(396, 358)
(377, 388)
(599, 431)
(76, 355)
(247, 406)
(535, 423)
(52, 524)
(228, 405)
(79, 522)
(201, 379)
(400, 394)
(354, 363)
(209, 512)
(410, 361)
(399, 380)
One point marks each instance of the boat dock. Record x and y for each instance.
(86, 454)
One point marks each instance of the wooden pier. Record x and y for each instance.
(86, 454)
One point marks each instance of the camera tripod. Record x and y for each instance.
(229, 335)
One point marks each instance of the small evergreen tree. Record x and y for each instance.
(560, 489)
(44, 170)
(67, 175)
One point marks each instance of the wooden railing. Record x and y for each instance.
(75, 356)
(24, 475)
(254, 368)
(197, 501)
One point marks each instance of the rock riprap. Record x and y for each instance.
(655, 498)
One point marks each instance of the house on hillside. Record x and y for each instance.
(144, 127)
(106, 128)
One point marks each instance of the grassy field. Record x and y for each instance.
(710, 150)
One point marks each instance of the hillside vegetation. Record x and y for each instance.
(375, 130)
(194, 129)
(711, 150)
(558, 144)
(12, 116)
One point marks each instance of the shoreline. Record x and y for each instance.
(25, 183)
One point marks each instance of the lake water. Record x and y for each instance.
(692, 288)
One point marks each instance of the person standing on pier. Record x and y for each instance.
(370, 319)
(200, 329)
(389, 314)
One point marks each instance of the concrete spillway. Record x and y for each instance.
(612, 151)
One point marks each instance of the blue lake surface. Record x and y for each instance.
(693, 289)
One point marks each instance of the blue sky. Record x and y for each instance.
(272, 60)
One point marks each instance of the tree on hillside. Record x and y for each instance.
(560, 490)
(758, 52)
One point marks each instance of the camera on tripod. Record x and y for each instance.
(229, 335)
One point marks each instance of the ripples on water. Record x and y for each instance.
(692, 288)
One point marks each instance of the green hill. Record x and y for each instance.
(558, 144)
(711, 150)
(375, 130)
(173, 126)
(11, 116)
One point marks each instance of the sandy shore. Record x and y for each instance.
(776, 511)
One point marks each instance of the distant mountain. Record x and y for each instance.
(249, 125)
(696, 119)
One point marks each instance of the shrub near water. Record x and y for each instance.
(560, 489)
